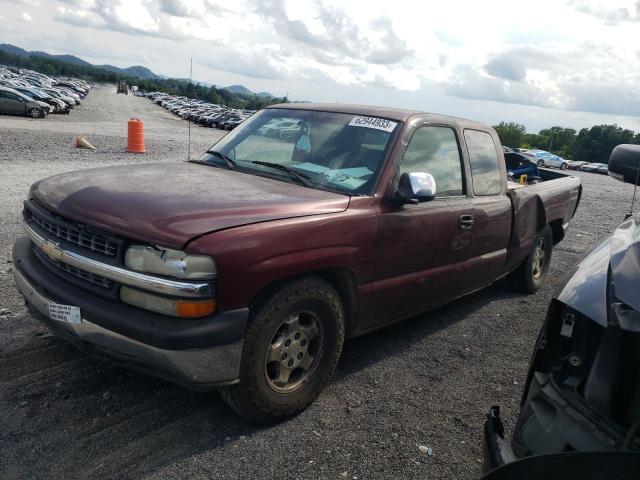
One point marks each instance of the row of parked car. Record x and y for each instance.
(199, 111)
(25, 92)
(541, 158)
(601, 168)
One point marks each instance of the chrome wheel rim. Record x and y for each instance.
(34, 113)
(539, 253)
(294, 352)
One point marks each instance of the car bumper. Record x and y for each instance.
(198, 354)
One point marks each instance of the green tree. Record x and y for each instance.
(595, 144)
(558, 140)
(511, 134)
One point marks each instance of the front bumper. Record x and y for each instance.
(198, 354)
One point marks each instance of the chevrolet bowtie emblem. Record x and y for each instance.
(52, 251)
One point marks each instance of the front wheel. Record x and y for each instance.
(541, 163)
(35, 113)
(563, 166)
(530, 275)
(291, 347)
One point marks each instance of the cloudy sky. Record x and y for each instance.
(541, 63)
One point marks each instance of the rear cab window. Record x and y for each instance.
(485, 165)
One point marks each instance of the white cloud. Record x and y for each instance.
(25, 17)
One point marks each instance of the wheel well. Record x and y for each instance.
(342, 279)
(557, 230)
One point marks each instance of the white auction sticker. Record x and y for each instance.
(64, 313)
(373, 122)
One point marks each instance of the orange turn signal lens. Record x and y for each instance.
(193, 309)
(168, 306)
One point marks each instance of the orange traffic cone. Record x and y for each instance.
(135, 136)
(82, 142)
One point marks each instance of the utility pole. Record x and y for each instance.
(189, 117)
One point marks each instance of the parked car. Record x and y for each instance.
(575, 164)
(582, 392)
(546, 159)
(592, 167)
(250, 279)
(15, 103)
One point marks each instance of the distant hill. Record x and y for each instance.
(238, 89)
(135, 71)
(65, 58)
(244, 90)
(13, 50)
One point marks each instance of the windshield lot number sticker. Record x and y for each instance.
(373, 122)
(64, 313)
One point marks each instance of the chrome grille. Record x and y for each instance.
(93, 241)
(76, 272)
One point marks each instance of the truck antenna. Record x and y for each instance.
(188, 115)
(633, 199)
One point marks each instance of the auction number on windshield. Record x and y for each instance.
(373, 122)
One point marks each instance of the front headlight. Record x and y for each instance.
(172, 263)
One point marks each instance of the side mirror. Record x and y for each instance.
(624, 163)
(416, 187)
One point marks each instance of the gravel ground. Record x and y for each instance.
(426, 382)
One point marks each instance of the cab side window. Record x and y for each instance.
(435, 150)
(485, 166)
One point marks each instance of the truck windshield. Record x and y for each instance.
(330, 151)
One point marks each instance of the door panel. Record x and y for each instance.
(491, 233)
(422, 249)
(421, 253)
(13, 103)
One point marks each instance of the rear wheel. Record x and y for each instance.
(563, 166)
(291, 348)
(541, 163)
(530, 275)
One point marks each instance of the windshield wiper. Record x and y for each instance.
(298, 176)
(230, 163)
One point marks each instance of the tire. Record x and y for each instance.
(262, 396)
(531, 273)
(35, 113)
(540, 163)
(563, 166)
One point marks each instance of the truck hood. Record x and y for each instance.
(168, 204)
(586, 289)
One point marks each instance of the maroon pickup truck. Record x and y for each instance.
(307, 224)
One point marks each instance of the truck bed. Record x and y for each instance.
(552, 201)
